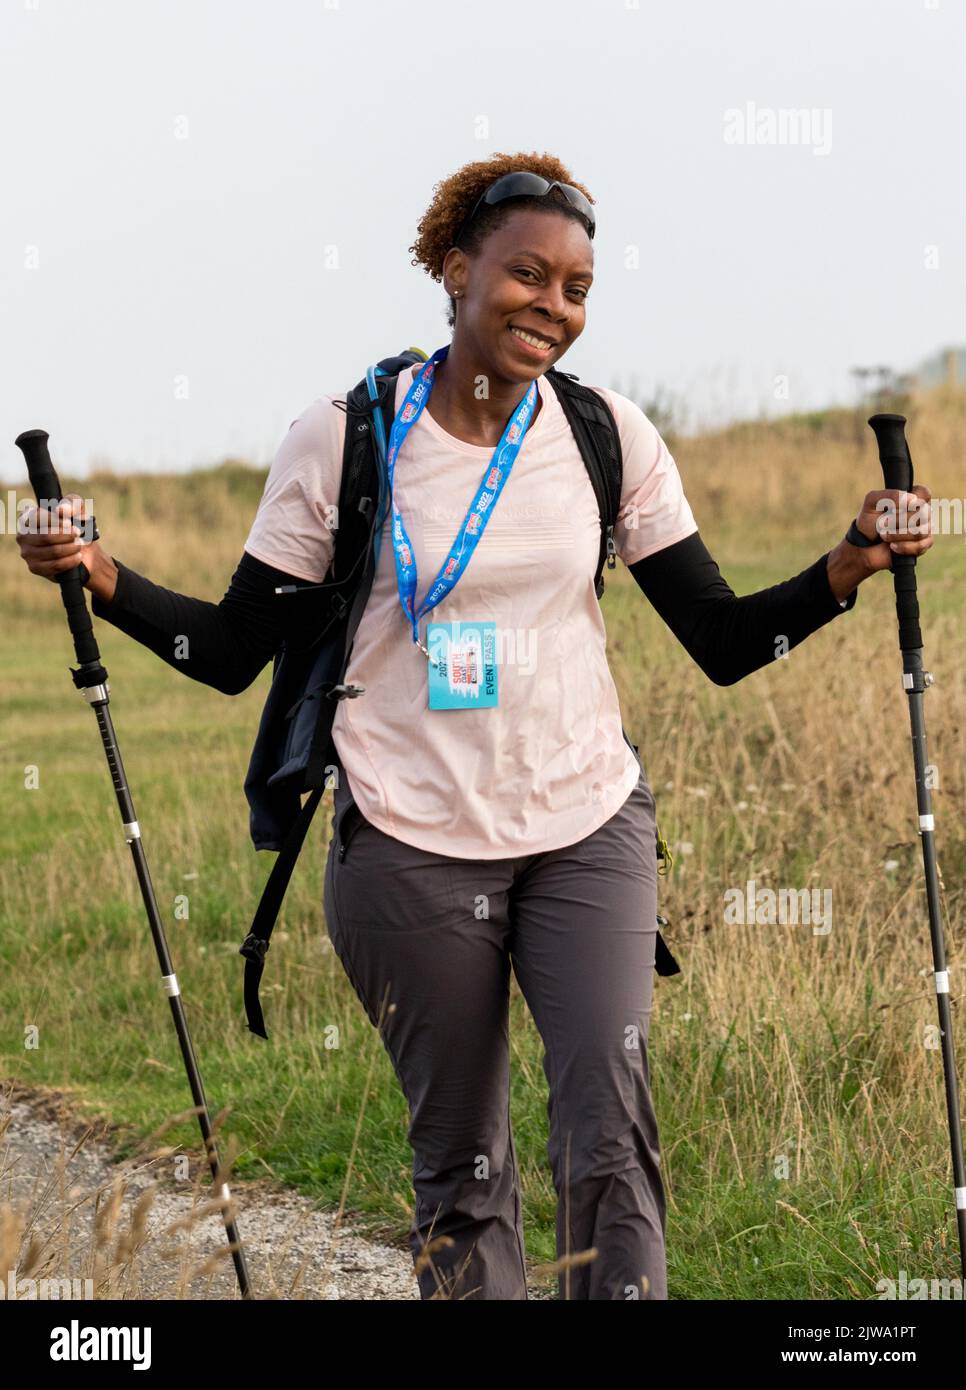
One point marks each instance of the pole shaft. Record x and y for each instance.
(896, 462)
(132, 833)
(912, 665)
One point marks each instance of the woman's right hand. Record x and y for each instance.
(50, 547)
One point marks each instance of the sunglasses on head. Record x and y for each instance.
(523, 184)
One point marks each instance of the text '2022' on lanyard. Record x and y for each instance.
(462, 672)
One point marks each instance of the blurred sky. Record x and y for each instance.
(172, 174)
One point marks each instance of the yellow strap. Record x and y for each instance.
(664, 854)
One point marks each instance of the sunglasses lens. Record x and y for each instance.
(580, 204)
(524, 184)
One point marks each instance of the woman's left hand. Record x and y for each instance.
(902, 519)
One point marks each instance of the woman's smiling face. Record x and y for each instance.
(529, 280)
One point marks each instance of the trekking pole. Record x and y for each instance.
(91, 680)
(897, 471)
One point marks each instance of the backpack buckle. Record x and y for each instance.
(253, 948)
(346, 692)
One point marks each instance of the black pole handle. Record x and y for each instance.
(896, 461)
(47, 490)
(890, 433)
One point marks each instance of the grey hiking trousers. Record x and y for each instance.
(428, 942)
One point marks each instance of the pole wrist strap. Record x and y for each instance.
(855, 537)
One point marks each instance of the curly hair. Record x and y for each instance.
(454, 198)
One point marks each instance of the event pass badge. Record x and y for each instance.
(462, 665)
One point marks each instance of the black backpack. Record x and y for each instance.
(293, 752)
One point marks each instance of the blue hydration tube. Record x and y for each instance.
(380, 428)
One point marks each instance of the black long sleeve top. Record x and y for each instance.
(226, 645)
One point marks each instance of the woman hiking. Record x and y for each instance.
(494, 821)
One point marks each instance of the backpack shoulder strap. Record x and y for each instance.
(598, 438)
(364, 490)
(363, 493)
(370, 410)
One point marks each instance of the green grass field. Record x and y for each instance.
(800, 1102)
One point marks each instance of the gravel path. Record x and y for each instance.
(68, 1210)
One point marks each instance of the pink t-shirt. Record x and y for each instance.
(549, 764)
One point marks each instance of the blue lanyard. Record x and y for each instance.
(481, 508)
